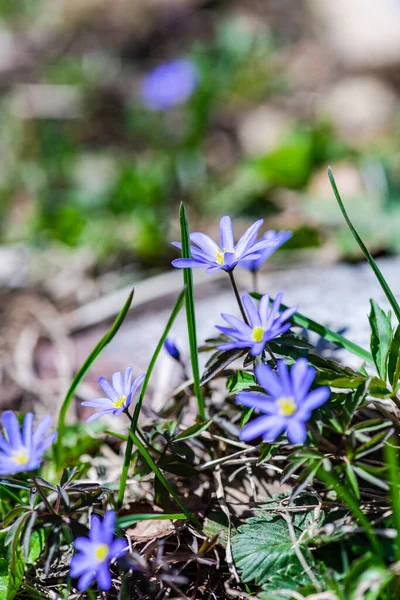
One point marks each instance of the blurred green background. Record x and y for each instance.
(283, 89)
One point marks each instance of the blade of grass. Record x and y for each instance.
(147, 457)
(394, 484)
(325, 332)
(132, 519)
(331, 480)
(136, 413)
(81, 374)
(371, 261)
(190, 313)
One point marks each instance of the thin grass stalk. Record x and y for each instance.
(136, 413)
(191, 314)
(371, 261)
(106, 339)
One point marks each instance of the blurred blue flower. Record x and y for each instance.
(169, 84)
(96, 552)
(23, 451)
(277, 237)
(288, 405)
(206, 253)
(120, 394)
(265, 324)
(172, 349)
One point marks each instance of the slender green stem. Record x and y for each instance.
(367, 254)
(245, 318)
(238, 298)
(135, 417)
(191, 314)
(157, 472)
(254, 279)
(81, 374)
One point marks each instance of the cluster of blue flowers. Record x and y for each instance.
(288, 401)
(285, 405)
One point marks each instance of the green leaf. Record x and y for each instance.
(389, 295)
(81, 374)
(128, 520)
(12, 569)
(263, 553)
(218, 362)
(240, 380)
(393, 367)
(190, 313)
(381, 338)
(194, 430)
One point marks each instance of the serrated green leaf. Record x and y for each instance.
(381, 337)
(263, 553)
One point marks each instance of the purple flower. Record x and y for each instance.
(169, 84)
(172, 349)
(120, 394)
(265, 324)
(206, 253)
(288, 405)
(278, 237)
(23, 451)
(96, 552)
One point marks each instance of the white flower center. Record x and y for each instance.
(287, 406)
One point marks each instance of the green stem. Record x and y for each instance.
(190, 314)
(135, 417)
(157, 472)
(238, 298)
(367, 254)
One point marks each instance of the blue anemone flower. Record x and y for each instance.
(288, 405)
(265, 324)
(96, 552)
(206, 253)
(172, 349)
(278, 237)
(169, 84)
(119, 394)
(23, 451)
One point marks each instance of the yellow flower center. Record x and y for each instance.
(120, 402)
(287, 406)
(258, 333)
(21, 456)
(101, 552)
(220, 256)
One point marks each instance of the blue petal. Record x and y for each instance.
(86, 580)
(251, 311)
(269, 380)
(258, 401)
(104, 577)
(248, 238)
(187, 263)
(118, 383)
(262, 427)
(11, 428)
(226, 234)
(108, 389)
(205, 243)
(296, 431)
